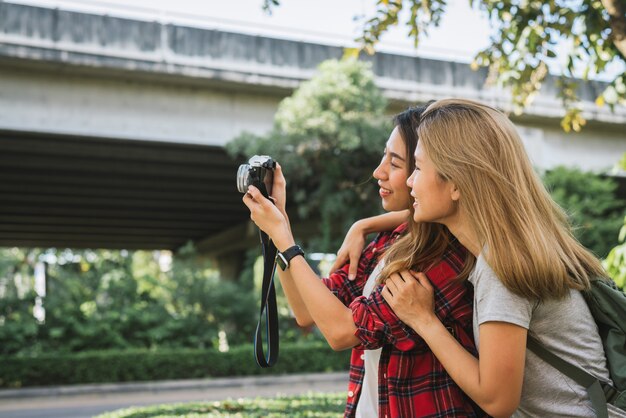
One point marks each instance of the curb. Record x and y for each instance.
(168, 385)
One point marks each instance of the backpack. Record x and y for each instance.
(607, 304)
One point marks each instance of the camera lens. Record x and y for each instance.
(243, 178)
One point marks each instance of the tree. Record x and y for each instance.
(328, 136)
(615, 262)
(591, 201)
(18, 326)
(525, 36)
(112, 299)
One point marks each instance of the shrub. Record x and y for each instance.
(145, 365)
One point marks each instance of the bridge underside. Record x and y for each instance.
(81, 192)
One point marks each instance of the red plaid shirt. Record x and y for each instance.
(411, 381)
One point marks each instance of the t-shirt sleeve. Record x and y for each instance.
(494, 302)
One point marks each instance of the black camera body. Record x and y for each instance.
(259, 172)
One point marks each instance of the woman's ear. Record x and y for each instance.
(455, 193)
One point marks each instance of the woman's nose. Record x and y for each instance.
(380, 173)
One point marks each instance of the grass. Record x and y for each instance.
(309, 405)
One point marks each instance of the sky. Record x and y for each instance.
(462, 33)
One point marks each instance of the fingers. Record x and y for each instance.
(387, 294)
(342, 257)
(405, 276)
(279, 178)
(392, 283)
(253, 192)
(248, 200)
(258, 205)
(354, 265)
(279, 186)
(405, 280)
(257, 196)
(340, 260)
(422, 280)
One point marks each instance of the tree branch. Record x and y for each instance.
(617, 22)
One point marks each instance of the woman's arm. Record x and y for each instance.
(495, 381)
(300, 311)
(330, 315)
(354, 242)
(279, 196)
(385, 222)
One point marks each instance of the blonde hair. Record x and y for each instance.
(526, 236)
(425, 243)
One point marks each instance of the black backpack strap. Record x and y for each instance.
(268, 305)
(598, 391)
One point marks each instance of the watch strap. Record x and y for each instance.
(283, 258)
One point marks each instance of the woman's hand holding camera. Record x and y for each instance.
(267, 215)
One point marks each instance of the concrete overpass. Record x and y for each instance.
(111, 128)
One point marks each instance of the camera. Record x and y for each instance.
(259, 172)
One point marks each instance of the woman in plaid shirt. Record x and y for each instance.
(392, 372)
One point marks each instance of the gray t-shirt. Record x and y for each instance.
(565, 327)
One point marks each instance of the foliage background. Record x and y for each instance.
(529, 40)
(615, 262)
(591, 201)
(328, 137)
(118, 299)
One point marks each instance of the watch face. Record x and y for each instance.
(280, 260)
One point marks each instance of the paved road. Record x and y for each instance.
(88, 400)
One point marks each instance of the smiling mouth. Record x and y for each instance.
(384, 192)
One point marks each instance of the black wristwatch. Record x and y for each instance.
(283, 259)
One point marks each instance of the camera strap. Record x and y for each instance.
(268, 306)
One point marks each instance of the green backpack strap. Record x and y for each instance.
(590, 383)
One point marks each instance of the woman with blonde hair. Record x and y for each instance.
(472, 175)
